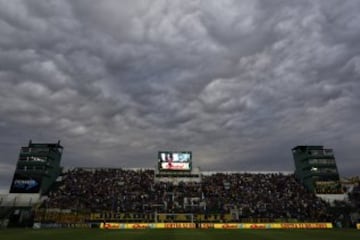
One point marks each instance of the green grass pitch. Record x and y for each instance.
(178, 234)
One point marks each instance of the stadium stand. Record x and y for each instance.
(174, 192)
(245, 195)
(92, 195)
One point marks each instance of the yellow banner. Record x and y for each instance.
(226, 226)
(188, 225)
(358, 226)
(111, 225)
(179, 225)
(206, 225)
(140, 225)
(267, 225)
(303, 225)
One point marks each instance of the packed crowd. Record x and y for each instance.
(247, 195)
(354, 196)
(102, 189)
(263, 196)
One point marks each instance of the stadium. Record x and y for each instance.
(175, 200)
(219, 120)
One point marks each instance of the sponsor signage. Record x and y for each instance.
(268, 225)
(113, 225)
(206, 225)
(304, 225)
(226, 226)
(179, 225)
(38, 225)
(25, 186)
(140, 225)
(188, 225)
(110, 225)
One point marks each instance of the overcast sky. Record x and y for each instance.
(238, 83)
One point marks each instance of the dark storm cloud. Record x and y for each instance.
(237, 82)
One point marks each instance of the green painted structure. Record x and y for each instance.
(316, 168)
(37, 168)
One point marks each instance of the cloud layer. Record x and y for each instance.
(239, 83)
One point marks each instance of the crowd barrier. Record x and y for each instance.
(114, 225)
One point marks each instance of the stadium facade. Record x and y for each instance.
(173, 192)
(316, 169)
(37, 168)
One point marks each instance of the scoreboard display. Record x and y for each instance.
(174, 161)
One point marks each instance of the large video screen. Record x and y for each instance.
(25, 184)
(175, 161)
